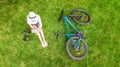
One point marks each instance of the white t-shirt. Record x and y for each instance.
(34, 21)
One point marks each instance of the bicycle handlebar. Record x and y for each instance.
(61, 15)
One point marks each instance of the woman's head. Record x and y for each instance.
(31, 15)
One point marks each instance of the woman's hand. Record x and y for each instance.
(33, 27)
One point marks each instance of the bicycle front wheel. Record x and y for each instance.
(80, 16)
(77, 53)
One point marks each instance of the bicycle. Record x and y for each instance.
(76, 47)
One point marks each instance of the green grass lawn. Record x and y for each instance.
(103, 34)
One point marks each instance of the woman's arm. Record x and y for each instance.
(40, 25)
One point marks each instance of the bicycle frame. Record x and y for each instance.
(68, 34)
(67, 22)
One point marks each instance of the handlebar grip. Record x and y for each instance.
(61, 15)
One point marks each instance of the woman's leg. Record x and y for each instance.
(43, 38)
(40, 38)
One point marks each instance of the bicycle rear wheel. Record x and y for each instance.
(77, 53)
(80, 16)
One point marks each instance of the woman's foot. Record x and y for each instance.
(45, 44)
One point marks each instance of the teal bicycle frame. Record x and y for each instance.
(68, 34)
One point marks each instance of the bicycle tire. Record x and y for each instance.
(82, 11)
(71, 55)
